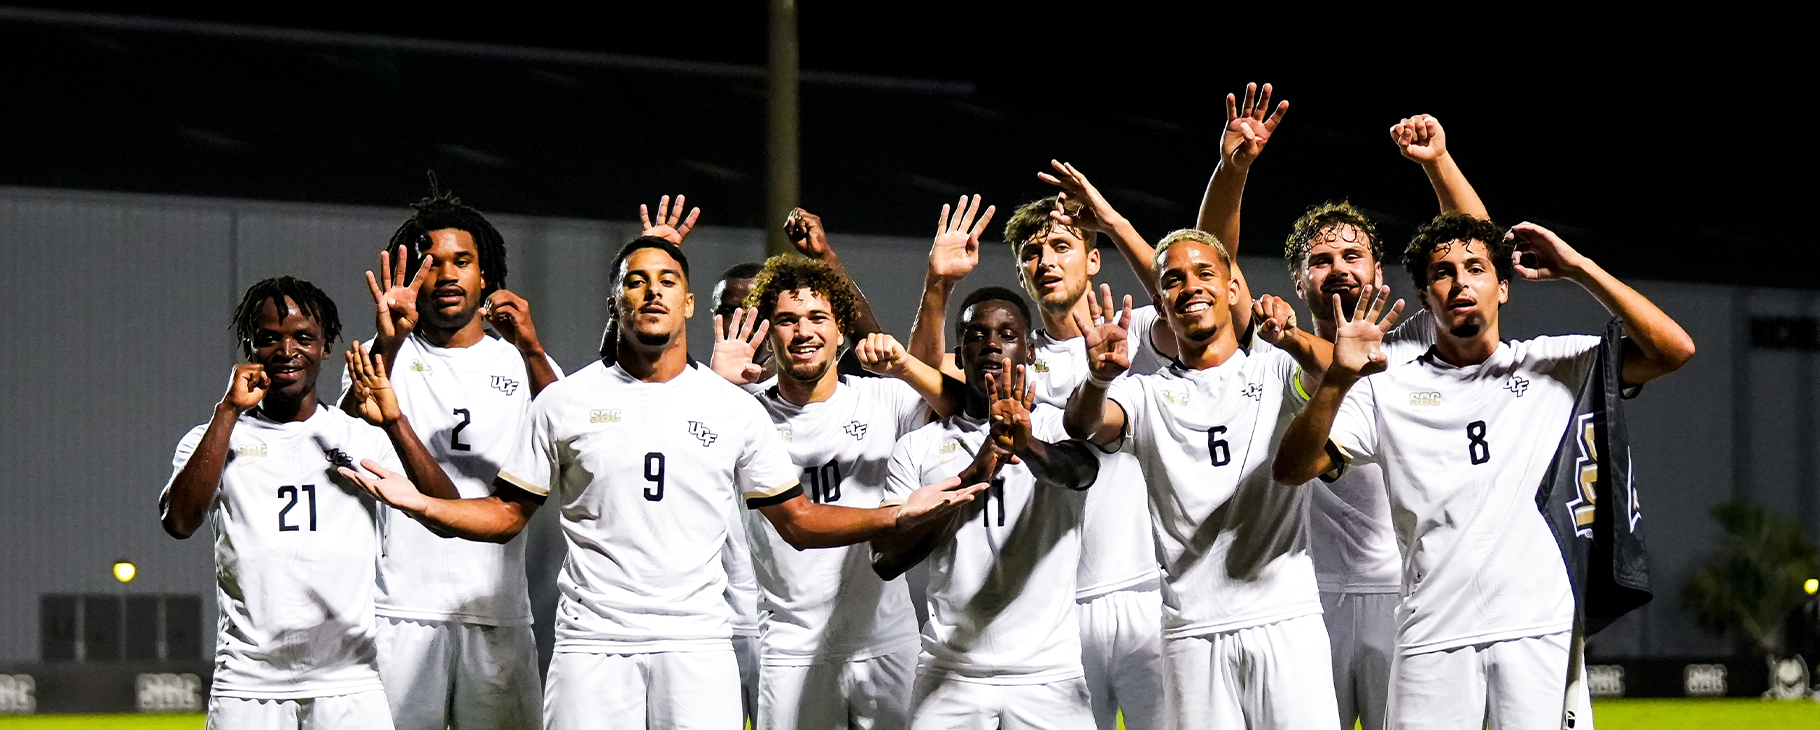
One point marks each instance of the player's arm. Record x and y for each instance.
(183, 505)
(510, 316)
(953, 255)
(895, 552)
(394, 310)
(1070, 464)
(377, 404)
(1655, 345)
(1249, 126)
(495, 518)
(805, 524)
(1080, 205)
(805, 231)
(1357, 352)
(880, 353)
(1422, 139)
(1276, 325)
(1090, 415)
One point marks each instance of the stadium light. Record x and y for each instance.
(1812, 586)
(124, 571)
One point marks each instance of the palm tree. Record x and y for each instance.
(1755, 577)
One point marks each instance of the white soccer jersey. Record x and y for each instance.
(1463, 449)
(1001, 581)
(828, 605)
(468, 407)
(1231, 539)
(742, 583)
(295, 546)
(644, 474)
(1117, 551)
(1350, 535)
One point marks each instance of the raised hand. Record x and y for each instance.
(1080, 205)
(389, 487)
(669, 225)
(246, 388)
(935, 501)
(736, 346)
(1274, 317)
(395, 303)
(1108, 352)
(376, 402)
(1358, 349)
(1420, 138)
(881, 353)
(510, 316)
(1249, 126)
(957, 239)
(804, 229)
(1548, 257)
(1013, 397)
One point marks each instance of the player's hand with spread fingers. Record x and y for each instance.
(1080, 205)
(670, 224)
(736, 344)
(1249, 126)
(246, 388)
(957, 239)
(394, 301)
(1358, 348)
(935, 501)
(389, 487)
(1013, 397)
(1420, 138)
(510, 316)
(883, 354)
(1548, 257)
(1274, 317)
(1108, 336)
(378, 403)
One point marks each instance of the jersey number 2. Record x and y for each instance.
(283, 514)
(455, 435)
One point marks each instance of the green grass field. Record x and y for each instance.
(1666, 714)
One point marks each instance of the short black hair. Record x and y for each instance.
(1448, 228)
(644, 242)
(990, 294)
(443, 211)
(315, 304)
(747, 270)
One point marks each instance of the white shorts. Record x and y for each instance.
(1262, 677)
(864, 694)
(1362, 635)
(1122, 653)
(681, 690)
(1517, 684)
(941, 702)
(745, 653)
(358, 711)
(447, 674)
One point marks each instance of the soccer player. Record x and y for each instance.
(295, 543)
(1243, 641)
(455, 640)
(838, 645)
(1116, 586)
(1001, 648)
(1334, 249)
(644, 458)
(1462, 435)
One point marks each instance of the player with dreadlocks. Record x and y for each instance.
(295, 542)
(457, 649)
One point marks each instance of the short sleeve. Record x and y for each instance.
(1355, 427)
(1046, 424)
(1287, 373)
(905, 474)
(764, 474)
(381, 448)
(1129, 393)
(1145, 357)
(1574, 357)
(908, 409)
(532, 464)
(1410, 338)
(186, 447)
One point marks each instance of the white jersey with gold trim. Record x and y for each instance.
(1001, 581)
(827, 605)
(295, 548)
(644, 475)
(1232, 541)
(468, 406)
(1463, 450)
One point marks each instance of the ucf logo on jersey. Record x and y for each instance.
(855, 429)
(504, 384)
(701, 431)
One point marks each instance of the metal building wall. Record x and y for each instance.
(120, 344)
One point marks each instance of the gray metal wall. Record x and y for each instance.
(120, 312)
